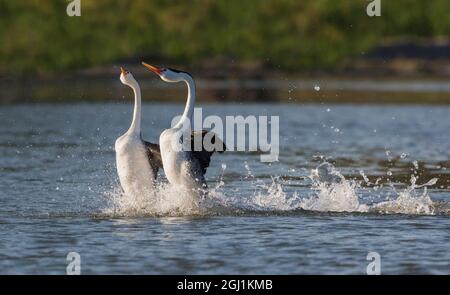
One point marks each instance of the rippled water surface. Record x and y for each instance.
(350, 180)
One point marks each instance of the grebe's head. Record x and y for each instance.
(167, 74)
(126, 77)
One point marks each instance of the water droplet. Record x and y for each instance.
(316, 87)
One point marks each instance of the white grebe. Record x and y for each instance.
(183, 167)
(137, 161)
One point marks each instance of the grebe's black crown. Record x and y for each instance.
(178, 71)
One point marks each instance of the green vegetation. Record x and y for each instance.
(37, 36)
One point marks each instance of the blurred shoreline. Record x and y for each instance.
(306, 90)
(396, 73)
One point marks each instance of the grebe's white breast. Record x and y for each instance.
(177, 163)
(135, 173)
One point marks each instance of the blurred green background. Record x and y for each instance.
(43, 50)
(37, 35)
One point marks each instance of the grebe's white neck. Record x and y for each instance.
(135, 127)
(189, 109)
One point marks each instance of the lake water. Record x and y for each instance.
(348, 182)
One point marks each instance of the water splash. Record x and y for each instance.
(329, 191)
(409, 201)
(165, 200)
(337, 194)
(333, 193)
(271, 197)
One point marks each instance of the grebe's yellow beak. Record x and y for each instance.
(123, 71)
(155, 70)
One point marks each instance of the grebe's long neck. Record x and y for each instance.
(136, 123)
(189, 109)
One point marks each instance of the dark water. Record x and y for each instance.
(58, 194)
